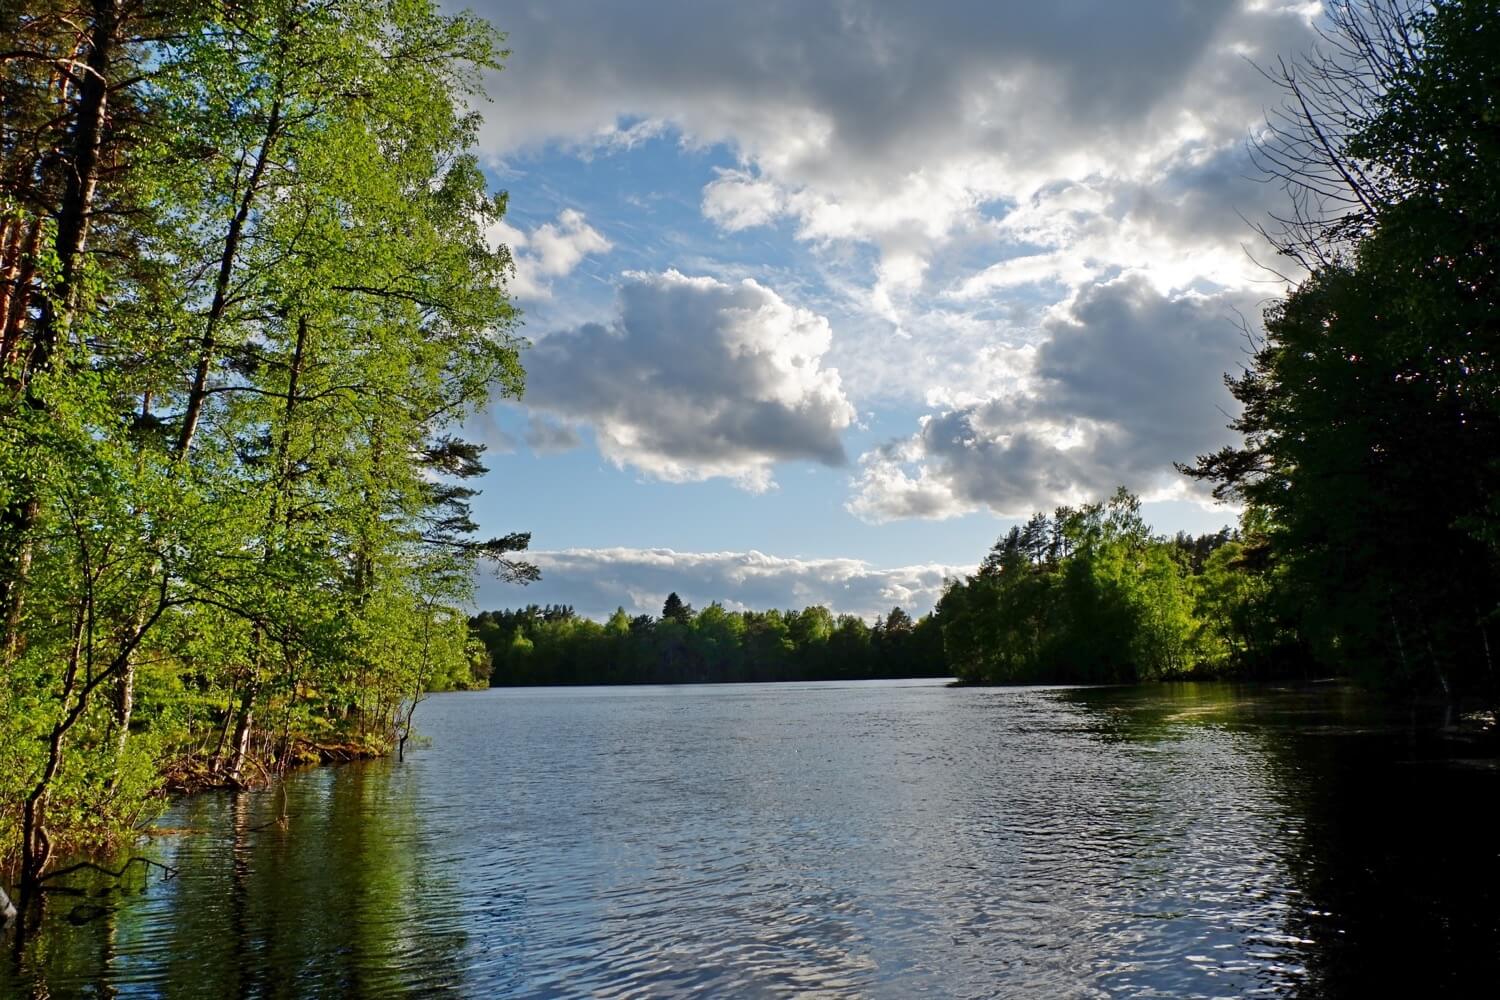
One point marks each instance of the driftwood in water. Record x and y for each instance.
(168, 870)
(83, 912)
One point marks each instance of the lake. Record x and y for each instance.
(879, 839)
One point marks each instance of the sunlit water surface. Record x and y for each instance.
(874, 839)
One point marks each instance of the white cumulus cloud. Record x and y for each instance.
(1127, 382)
(697, 378)
(739, 200)
(551, 250)
(960, 166)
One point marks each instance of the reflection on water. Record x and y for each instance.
(868, 839)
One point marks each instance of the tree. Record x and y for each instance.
(1308, 146)
(248, 298)
(676, 611)
(812, 626)
(1036, 538)
(531, 646)
(1374, 383)
(849, 646)
(618, 625)
(1107, 603)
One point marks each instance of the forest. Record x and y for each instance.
(1369, 468)
(248, 300)
(1369, 473)
(1090, 595)
(554, 645)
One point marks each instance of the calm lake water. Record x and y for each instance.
(876, 839)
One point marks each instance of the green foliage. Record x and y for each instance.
(1371, 411)
(552, 645)
(1090, 596)
(233, 525)
(1085, 595)
(673, 610)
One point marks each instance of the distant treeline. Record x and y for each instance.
(554, 645)
(1088, 595)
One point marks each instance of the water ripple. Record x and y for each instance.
(871, 840)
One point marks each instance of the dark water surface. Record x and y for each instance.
(876, 839)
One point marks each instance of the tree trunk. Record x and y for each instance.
(15, 551)
(36, 846)
(124, 707)
(81, 181)
(80, 185)
(239, 747)
(125, 686)
(209, 346)
(15, 287)
(245, 717)
(1484, 641)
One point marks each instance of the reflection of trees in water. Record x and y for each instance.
(338, 901)
(1398, 869)
(79, 926)
(1391, 867)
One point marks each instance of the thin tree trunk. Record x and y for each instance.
(239, 748)
(36, 846)
(81, 184)
(124, 707)
(15, 529)
(218, 758)
(216, 309)
(1484, 638)
(416, 696)
(294, 380)
(15, 292)
(1400, 645)
(10, 259)
(125, 687)
(245, 718)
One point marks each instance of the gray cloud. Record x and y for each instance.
(596, 581)
(1201, 191)
(886, 117)
(1005, 162)
(546, 437)
(697, 378)
(1128, 381)
(881, 77)
(987, 152)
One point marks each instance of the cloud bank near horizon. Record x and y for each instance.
(596, 581)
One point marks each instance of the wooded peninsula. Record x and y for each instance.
(248, 300)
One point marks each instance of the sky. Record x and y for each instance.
(822, 297)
